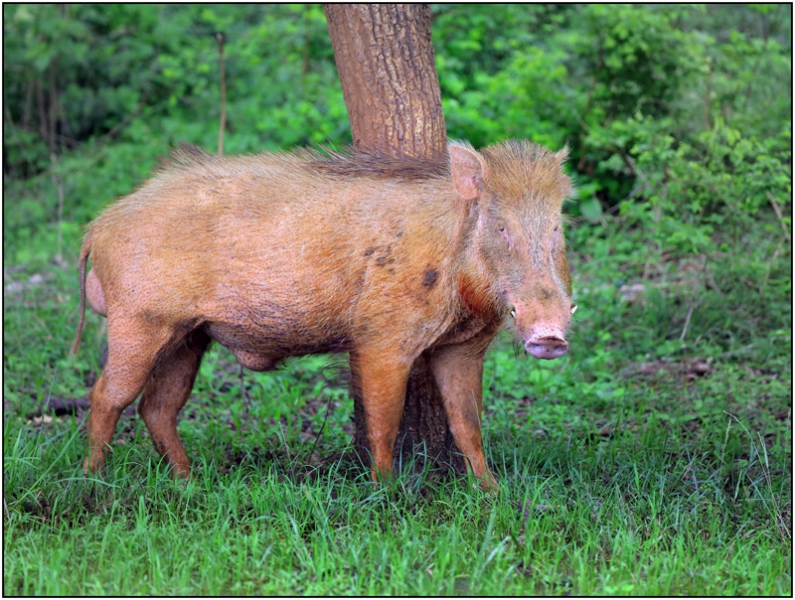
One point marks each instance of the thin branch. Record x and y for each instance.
(763, 287)
(53, 108)
(42, 111)
(777, 208)
(305, 59)
(57, 182)
(687, 321)
(220, 38)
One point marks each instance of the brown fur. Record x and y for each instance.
(288, 254)
(518, 169)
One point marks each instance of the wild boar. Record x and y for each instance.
(288, 254)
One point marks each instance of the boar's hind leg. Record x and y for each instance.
(383, 390)
(132, 351)
(458, 371)
(166, 391)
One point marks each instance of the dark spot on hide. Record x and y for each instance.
(380, 261)
(369, 251)
(430, 277)
(148, 316)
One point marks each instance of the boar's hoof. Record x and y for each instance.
(489, 484)
(547, 347)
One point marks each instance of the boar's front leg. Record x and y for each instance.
(382, 382)
(167, 389)
(458, 370)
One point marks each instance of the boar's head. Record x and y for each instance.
(518, 260)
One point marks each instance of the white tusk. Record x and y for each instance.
(573, 308)
(513, 313)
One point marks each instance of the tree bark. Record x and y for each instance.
(385, 62)
(386, 66)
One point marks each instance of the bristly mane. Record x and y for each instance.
(184, 156)
(518, 166)
(349, 162)
(345, 163)
(515, 166)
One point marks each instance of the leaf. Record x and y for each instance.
(591, 209)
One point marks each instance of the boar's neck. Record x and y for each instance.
(475, 281)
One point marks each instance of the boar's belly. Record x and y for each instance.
(260, 349)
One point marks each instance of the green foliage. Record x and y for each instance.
(676, 116)
(691, 191)
(627, 51)
(84, 55)
(672, 117)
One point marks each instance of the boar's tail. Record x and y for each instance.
(84, 252)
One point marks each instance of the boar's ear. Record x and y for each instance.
(468, 170)
(566, 186)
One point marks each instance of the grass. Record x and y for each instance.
(655, 459)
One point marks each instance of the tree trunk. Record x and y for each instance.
(385, 61)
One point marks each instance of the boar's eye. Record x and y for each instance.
(504, 232)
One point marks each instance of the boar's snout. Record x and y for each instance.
(547, 347)
(542, 329)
